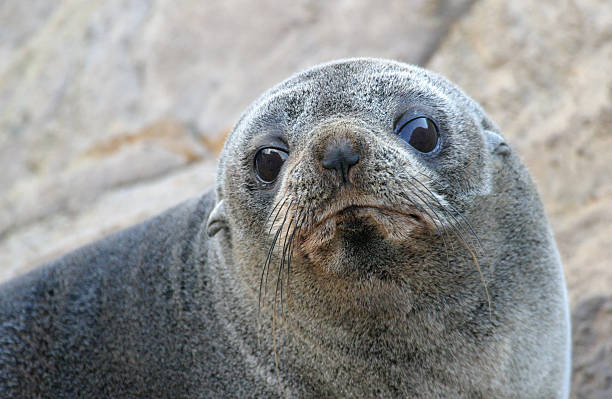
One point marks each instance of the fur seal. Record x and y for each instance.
(371, 234)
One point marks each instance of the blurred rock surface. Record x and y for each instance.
(81, 84)
(541, 70)
(592, 355)
(112, 111)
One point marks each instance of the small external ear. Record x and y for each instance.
(496, 143)
(217, 219)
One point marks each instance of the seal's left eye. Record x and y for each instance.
(268, 163)
(421, 133)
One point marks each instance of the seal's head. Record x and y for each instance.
(350, 171)
(385, 206)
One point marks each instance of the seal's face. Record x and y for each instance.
(350, 173)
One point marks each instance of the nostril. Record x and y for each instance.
(340, 158)
(337, 160)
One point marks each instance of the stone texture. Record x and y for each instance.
(112, 111)
(118, 161)
(541, 69)
(85, 70)
(543, 76)
(592, 357)
(98, 96)
(49, 237)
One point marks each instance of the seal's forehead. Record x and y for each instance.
(354, 80)
(344, 87)
(375, 90)
(346, 71)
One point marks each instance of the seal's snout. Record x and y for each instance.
(340, 156)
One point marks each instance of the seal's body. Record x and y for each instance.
(370, 235)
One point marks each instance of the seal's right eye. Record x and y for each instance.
(268, 163)
(418, 131)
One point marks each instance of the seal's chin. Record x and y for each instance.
(361, 241)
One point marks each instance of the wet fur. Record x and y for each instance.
(448, 284)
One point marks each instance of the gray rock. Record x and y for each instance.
(36, 243)
(542, 71)
(89, 70)
(76, 77)
(112, 111)
(592, 357)
(122, 160)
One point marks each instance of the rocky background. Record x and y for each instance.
(113, 111)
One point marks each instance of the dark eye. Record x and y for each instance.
(268, 163)
(420, 132)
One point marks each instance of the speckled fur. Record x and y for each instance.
(383, 304)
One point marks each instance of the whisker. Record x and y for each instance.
(477, 264)
(266, 266)
(279, 280)
(279, 231)
(436, 222)
(418, 206)
(438, 226)
(274, 208)
(277, 213)
(467, 246)
(276, 291)
(432, 196)
(465, 221)
(301, 219)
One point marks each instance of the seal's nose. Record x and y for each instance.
(340, 156)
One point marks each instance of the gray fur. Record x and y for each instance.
(172, 307)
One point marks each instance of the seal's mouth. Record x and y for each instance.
(341, 220)
(379, 213)
(359, 211)
(363, 240)
(352, 235)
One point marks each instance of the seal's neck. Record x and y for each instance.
(317, 346)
